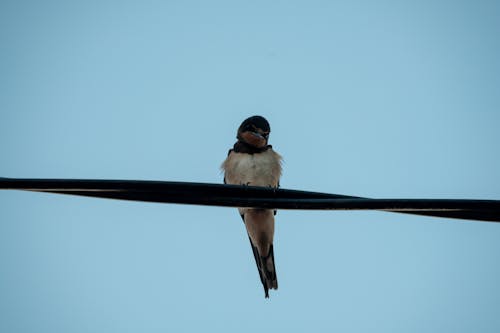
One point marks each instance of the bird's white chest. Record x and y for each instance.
(261, 169)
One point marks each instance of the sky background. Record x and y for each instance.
(385, 99)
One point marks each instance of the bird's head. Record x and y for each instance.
(254, 131)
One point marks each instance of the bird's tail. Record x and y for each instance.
(266, 268)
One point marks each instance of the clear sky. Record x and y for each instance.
(386, 99)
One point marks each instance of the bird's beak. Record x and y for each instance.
(257, 134)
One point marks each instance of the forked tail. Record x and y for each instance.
(266, 268)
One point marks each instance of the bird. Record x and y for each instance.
(253, 162)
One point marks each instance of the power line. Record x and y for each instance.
(251, 196)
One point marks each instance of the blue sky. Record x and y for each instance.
(382, 99)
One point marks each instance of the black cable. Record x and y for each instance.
(250, 196)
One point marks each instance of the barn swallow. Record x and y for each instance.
(253, 162)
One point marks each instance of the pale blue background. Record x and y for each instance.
(376, 98)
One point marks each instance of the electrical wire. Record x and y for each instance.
(252, 196)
